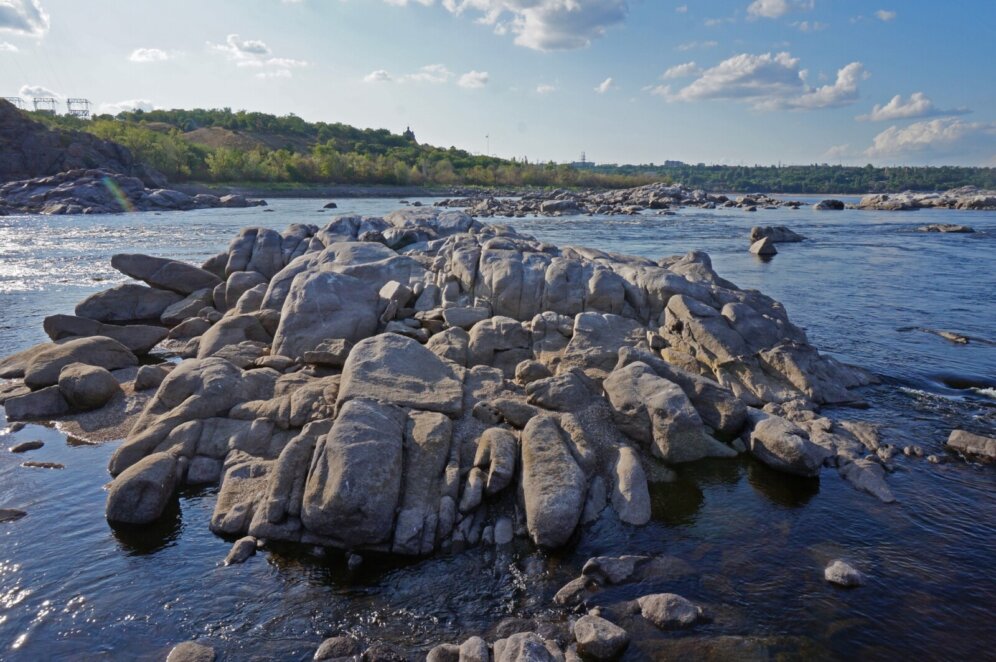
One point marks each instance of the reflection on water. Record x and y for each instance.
(753, 542)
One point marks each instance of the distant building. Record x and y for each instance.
(409, 135)
(674, 164)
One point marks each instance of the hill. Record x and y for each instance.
(30, 148)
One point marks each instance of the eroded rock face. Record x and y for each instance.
(423, 381)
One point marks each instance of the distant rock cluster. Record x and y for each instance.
(103, 192)
(966, 197)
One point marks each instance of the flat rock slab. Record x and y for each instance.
(399, 370)
(26, 446)
(165, 274)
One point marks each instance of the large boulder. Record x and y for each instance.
(37, 405)
(140, 494)
(324, 306)
(128, 303)
(598, 639)
(553, 485)
(395, 369)
(785, 446)
(971, 445)
(87, 387)
(165, 274)
(354, 485)
(655, 411)
(44, 368)
(138, 338)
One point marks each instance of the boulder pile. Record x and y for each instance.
(654, 198)
(425, 381)
(965, 197)
(98, 191)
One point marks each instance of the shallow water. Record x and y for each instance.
(863, 286)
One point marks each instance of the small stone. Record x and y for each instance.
(26, 446)
(337, 647)
(44, 465)
(354, 561)
(598, 639)
(504, 531)
(669, 610)
(843, 574)
(11, 514)
(241, 550)
(190, 651)
(149, 376)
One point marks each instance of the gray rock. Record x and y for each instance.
(531, 371)
(26, 446)
(569, 391)
(829, 205)
(784, 446)
(149, 376)
(324, 306)
(971, 445)
(191, 651)
(11, 514)
(843, 573)
(165, 274)
(764, 247)
(138, 338)
(127, 304)
(444, 653)
(553, 484)
(344, 646)
(504, 531)
(329, 353)
(87, 387)
(140, 494)
(522, 647)
(38, 405)
(598, 639)
(669, 611)
(474, 649)
(465, 317)
(630, 492)
(189, 307)
(241, 550)
(497, 451)
(43, 370)
(354, 485)
(400, 371)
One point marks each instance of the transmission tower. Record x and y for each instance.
(45, 105)
(17, 101)
(78, 108)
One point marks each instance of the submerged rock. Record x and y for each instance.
(669, 611)
(598, 639)
(764, 247)
(843, 573)
(191, 651)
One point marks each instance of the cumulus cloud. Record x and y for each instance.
(431, 73)
(809, 26)
(544, 25)
(6, 47)
(917, 106)
(605, 85)
(885, 15)
(31, 91)
(838, 152)
(544, 88)
(768, 82)
(379, 76)
(473, 80)
(775, 8)
(256, 54)
(125, 106)
(681, 9)
(23, 17)
(936, 138)
(143, 55)
(681, 71)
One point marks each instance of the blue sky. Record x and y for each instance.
(626, 81)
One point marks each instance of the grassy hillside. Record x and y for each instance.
(226, 146)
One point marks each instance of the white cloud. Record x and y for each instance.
(31, 91)
(544, 25)
(143, 55)
(125, 106)
(431, 73)
(692, 45)
(936, 138)
(776, 8)
(681, 71)
(681, 9)
(473, 80)
(256, 54)
(605, 85)
(838, 152)
(917, 106)
(768, 82)
(379, 76)
(544, 88)
(809, 26)
(7, 47)
(23, 17)
(885, 15)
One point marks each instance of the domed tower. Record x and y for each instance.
(409, 135)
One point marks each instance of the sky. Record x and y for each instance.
(888, 82)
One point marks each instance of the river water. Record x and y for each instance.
(864, 286)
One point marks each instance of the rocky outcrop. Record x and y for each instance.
(424, 382)
(649, 199)
(966, 197)
(973, 446)
(96, 190)
(30, 149)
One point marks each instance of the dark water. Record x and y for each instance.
(863, 287)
